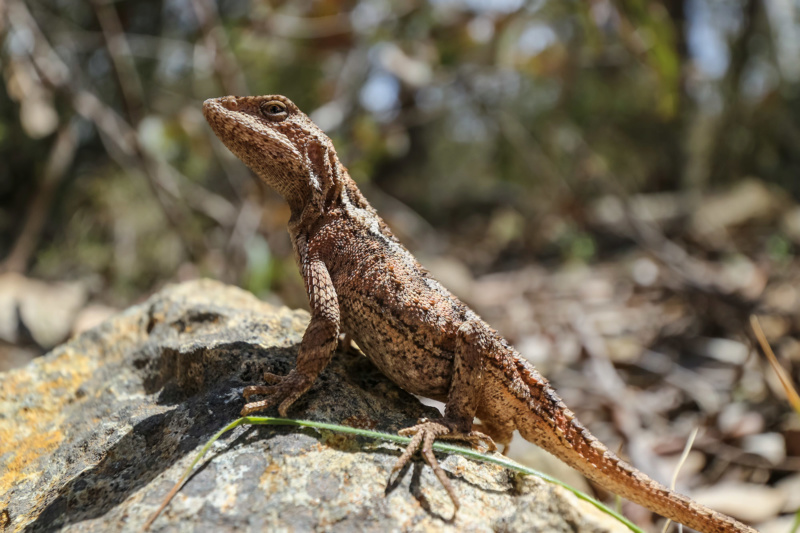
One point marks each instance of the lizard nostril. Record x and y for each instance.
(229, 102)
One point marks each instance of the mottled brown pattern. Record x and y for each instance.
(362, 282)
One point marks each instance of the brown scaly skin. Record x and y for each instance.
(362, 282)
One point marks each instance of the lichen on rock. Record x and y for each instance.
(95, 433)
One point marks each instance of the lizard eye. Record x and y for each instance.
(274, 110)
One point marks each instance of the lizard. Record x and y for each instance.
(363, 283)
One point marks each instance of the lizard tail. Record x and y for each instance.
(549, 424)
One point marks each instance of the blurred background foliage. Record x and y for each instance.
(496, 123)
(613, 185)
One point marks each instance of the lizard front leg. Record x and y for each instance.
(462, 403)
(316, 348)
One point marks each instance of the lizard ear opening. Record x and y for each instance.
(324, 169)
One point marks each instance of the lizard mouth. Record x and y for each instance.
(215, 106)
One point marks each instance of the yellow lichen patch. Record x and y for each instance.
(36, 396)
(74, 362)
(272, 478)
(26, 451)
(231, 495)
(56, 370)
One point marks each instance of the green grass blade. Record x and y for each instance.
(391, 437)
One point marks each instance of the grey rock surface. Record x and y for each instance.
(94, 434)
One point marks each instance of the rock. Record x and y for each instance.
(95, 433)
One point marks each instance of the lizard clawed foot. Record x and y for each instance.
(424, 434)
(282, 390)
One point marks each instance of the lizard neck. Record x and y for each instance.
(316, 194)
(325, 195)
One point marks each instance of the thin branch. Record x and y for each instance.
(123, 139)
(59, 160)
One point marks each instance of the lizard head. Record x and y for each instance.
(279, 143)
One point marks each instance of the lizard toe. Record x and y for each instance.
(283, 390)
(257, 390)
(476, 439)
(423, 436)
(273, 379)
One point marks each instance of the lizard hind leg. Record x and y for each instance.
(473, 341)
(442, 430)
(423, 436)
